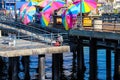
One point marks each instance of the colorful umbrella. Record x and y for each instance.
(28, 17)
(32, 3)
(69, 16)
(87, 5)
(23, 10)
(64, 21)
(54, 5)
(45, 19)
(43, 3)
(31, 10)
(73, 10)
(49, 9)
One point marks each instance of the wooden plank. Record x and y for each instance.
(95, 34)
(37, 51)
(108, 26)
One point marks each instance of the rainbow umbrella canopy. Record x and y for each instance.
(52, 6)
(71, 13)
(28, 17)
(31, 3)
(23, 10)
(48, 11)
(45, 19)
(43, 3)
(87, 5)
(69, 17)
(57, 4)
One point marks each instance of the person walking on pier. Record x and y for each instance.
(60, 39)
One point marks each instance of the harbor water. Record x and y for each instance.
(69, 66)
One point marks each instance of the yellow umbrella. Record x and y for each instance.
(43, 3)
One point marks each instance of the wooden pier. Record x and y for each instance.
(27, 48)
(107, 37)
(31, 48)
(108, 40)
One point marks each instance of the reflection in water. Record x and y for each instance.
(68, 70)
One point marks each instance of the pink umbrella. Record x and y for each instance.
(28, 17)
(23, 10)
(69, 17)
(57, 4)
(87, 5)
(50, 8)
(45, 19)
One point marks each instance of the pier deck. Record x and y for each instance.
(96, 34)
(27, 48)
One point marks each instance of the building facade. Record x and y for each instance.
(9, 4)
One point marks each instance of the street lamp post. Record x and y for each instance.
(81, 26)
(15, 10)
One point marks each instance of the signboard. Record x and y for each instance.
(59, 20)
(87, 22)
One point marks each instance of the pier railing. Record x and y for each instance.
(33, 34)
(32, 40)
(105, 26)
(106, 22)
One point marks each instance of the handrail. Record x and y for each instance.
(44, 37)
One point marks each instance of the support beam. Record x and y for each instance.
(108, 64)
(117, 64)
(1, 64)
(93, 60)
(25, 62)
(13, 68)
(15, 10)
(74, 66)
(57, 62)
(80, 60)
(41, 67)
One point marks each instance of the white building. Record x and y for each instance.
(116, 4)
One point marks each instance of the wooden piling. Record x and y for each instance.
(108, 64)
(116, 66)
(93, 60)
(119, 65)
(80, 60)
(13, 68)
(57, 63)
(41, 67)
(74, 66)
(26, 62)
(1, 64)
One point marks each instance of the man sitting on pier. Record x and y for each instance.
(57, 43)
(60, 39)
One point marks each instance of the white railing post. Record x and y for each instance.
(51, 38)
